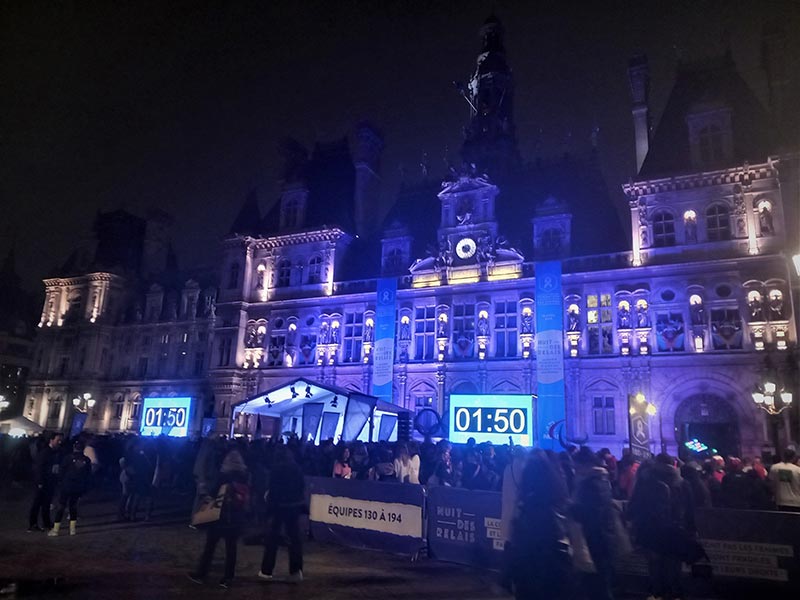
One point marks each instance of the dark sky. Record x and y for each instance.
(180, 105)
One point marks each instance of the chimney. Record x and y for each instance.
(639, 76)
(367, 157)
(773, 53)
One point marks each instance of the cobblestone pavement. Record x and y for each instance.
(150, 560)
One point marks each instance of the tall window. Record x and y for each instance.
(394, 260)
(315, 269)
(63, 368)
(505, 329)
(284, 273)
(291, 213)
(119, 409)
(224, 352)
(55, 409)
(663, 229)
(710, 142)
(603, 415)
(135, 409)
(233, 276)
(718, 223)
(463, 330)
(353, 332)
(599, 324)
(199, 363)
(141, 369)
(277, 348)
(424, 332)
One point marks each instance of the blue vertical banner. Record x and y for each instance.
(383, 355)
(550, 406)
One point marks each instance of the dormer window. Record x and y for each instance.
(663, 229)
(284, 273)
(551, 241)
(710, 134)
(718, 223)
(315, 269)
(291, 213)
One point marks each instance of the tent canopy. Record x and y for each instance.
(317, 410)
(15, 424)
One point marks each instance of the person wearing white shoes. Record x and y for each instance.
(76, 476)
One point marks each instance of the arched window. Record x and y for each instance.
(718, 223)
(710, 142)
(233, 276)
(284, 273)
(315, 269)
(663, 229)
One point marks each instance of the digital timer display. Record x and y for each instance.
(166, 416)
(491, 418)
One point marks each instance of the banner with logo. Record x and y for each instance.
(78, 422)
(383, 354)
(367, 514)
(550, 406)
(464, 526)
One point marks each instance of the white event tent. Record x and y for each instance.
(319, 411)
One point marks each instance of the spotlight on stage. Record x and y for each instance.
(294, 392)
(308, 391)
(267, 401)
(335, 402)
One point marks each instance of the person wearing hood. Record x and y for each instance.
(662, 512)
(692, 473)
(234, 476)
(76, 478)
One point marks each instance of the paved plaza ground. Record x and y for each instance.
(150, 560)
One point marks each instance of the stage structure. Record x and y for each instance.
(318, 411)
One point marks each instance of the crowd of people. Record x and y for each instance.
(567, 512)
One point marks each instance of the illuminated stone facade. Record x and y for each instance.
(687, 315)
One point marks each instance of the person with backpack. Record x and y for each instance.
(233, 476)
(661, 510)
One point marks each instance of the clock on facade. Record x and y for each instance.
(466, 248)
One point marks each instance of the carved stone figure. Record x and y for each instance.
(623, 318)
(369, 333)
(573, 321)
(250, 338)
(691, 231)
(527, 322)
(291, 337)
(698, 314)
(324, 333)
(642, 319)
(776, 308)
(765, 220)
(756, 306)
(405, 331)
(483, 326)
(334, 335)
(441, 328)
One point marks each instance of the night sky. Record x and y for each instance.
(181, 105)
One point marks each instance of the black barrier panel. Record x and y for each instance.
(752, 544)
(367, 514)
(464, 526)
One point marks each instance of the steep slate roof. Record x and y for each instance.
(713, 81)
(248, 220)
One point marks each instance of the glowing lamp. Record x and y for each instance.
(639, 397)
(770, 387)
(786, 397)
(758, 397)
(651, 410)
(76, 402)
(91, 402)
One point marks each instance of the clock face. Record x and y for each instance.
(466, 248)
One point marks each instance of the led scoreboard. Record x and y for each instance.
(491, 418)
(166, 416)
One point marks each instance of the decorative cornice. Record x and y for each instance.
(80, 279)
(744, 175)
(334, 234)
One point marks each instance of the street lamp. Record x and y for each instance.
(4, 404)
(83, 403)
(772, 398)
(640, 410)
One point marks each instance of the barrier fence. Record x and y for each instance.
(463, 526)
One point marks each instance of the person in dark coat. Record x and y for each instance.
(233, 516)
(45, 478)
(692, 473)
(540, 566)
(662, 512)
(285, 503)
(75, 480)
(593, 507)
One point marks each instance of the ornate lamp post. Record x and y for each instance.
(83, 403)
(4, 404)
(771, 397)
(639, 412)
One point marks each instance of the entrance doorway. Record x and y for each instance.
(709, 420)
